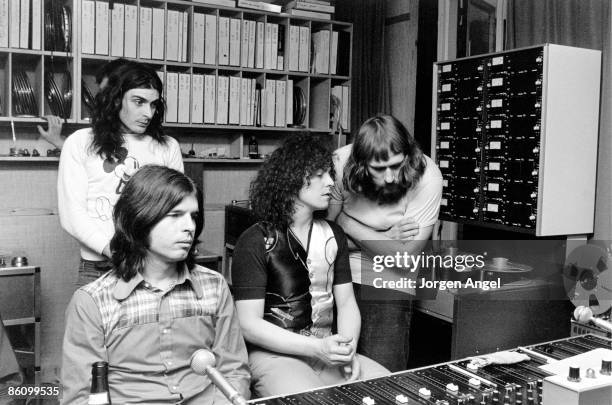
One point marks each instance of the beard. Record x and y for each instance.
(390, 193)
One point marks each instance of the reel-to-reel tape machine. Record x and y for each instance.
(587, 277)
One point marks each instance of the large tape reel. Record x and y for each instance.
(587, 277)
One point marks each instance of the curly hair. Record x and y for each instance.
(148, 196)
(376, 138)
(108, 103)
(275, 188)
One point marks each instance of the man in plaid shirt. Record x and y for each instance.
(149, 314)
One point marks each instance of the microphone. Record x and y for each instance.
(585, 315)
(203, 362)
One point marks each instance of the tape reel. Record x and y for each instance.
(587, 276)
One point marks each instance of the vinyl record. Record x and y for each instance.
(66, 29)
(299, 107)
(587, 277)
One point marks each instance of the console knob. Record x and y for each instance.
(574, 374)
(606, 367)
(475, 382)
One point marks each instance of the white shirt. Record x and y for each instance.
(88, 186)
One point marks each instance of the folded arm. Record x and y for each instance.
(380, 242)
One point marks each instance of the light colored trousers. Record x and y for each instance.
(278, 374)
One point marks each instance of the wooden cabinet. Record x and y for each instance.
(20, 309)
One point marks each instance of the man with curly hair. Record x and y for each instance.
(96, 162)
(387, 199)
(289, 270)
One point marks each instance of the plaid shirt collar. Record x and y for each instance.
(123, 288)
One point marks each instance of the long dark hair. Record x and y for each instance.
(108, 102)
(280, 179)
(376, 137)
(148, 196)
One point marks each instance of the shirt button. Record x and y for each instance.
(308, 261)
(174, 388)
(165, 331)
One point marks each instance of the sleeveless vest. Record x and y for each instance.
(299, 293)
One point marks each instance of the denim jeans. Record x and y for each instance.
(385, 327)
(90, 270)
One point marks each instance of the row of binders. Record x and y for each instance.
(21, 24)
(154, 33)
(227, 100)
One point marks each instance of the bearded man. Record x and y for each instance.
(387, 199)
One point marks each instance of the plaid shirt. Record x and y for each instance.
(148, 336)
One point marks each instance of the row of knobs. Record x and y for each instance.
(574, 372)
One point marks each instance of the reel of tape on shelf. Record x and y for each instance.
(587, 276)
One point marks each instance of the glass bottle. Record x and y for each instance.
(99, 394)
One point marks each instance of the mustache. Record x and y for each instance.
(389, 193)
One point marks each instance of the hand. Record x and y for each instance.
(352, 371)
(53, 132)
(405, 229)
(335, 350)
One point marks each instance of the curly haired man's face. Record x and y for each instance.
(316, 195)
(137, 109)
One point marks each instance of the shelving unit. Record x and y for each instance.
(20, 308)
(82, 66)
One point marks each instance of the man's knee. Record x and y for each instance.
(274, 374)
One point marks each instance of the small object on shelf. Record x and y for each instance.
(253, 148)
(191, 152)
(19, 261)
(19, 152)
(35, 153)
(54, 152)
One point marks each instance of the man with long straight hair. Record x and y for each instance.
(387, 199)
(156, 308)
(96, 162)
